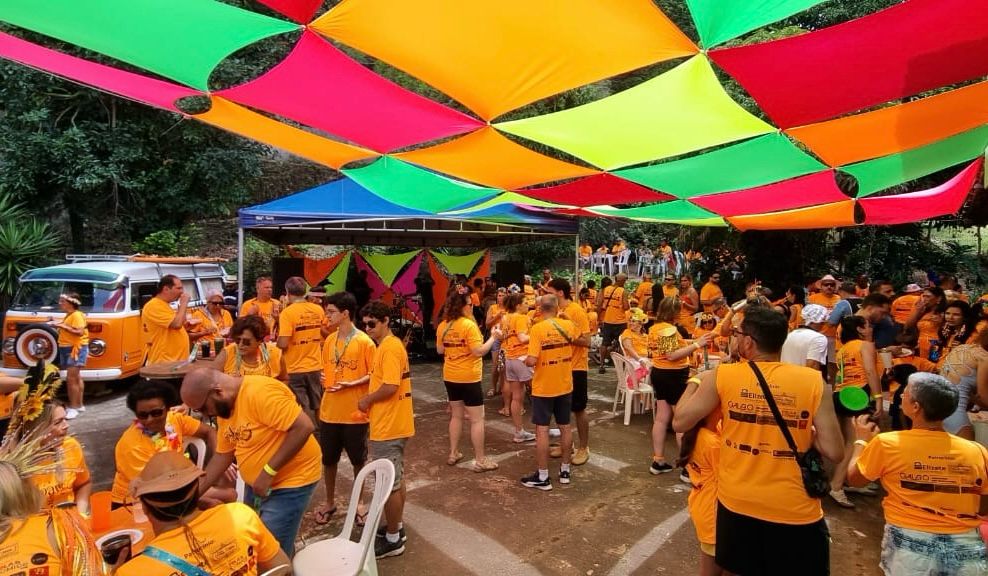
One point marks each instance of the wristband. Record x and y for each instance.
(271, 471)
(862, 443)
(693, 380)
(877, 396)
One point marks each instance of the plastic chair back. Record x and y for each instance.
(278, 571)
(200, 446)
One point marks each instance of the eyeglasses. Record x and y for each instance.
(156, 413)
(372, 324)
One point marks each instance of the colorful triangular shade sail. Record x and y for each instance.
(819, 188)
(718, 21)
(595, 190)
(632, 127)
(315, 271)
(459, 264)
(835, 215)
(410, 186)
(387, 266)
(901, 208)
(336, 281)
(672, 212)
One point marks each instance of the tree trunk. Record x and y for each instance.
(77, 229)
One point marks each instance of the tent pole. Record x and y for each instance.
(576, 269)
(241, 253)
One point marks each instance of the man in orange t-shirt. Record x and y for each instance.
(263, 304)
(300, 339)
(644, 289)
(828, 298)
(164, 329)
(261, 425)
(572, 311)
(612, 305)
(904, 305)
(711, 291)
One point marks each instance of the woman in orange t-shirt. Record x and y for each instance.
(634, 341)
(926, 319)
(699, 455)
(459, 341)
(250, 355)
(515, 325)
(494, 314)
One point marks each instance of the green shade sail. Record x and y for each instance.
(459, 264)
(683, 110)
(762, 160)
(413, 187)
(506, 198)
(336, 281)
(181, 39)
(718, 21)
(387, 266)
(672, 212)
(881, 173)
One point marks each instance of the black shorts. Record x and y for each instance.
(545, 408)
(334, 438)
(611, 332)
(579, 390)
(747, 545)
(669, 383)
(469, 394)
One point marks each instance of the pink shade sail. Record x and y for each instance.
(809, 190)
(300, 11)
(404, 285)
(596, 190)
(377, 286)
(915, 206)
(322, 87)
(901, 51)
(125, 84)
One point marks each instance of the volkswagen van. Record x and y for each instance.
(113, 289)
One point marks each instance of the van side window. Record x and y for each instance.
(140, 294)
(210, 284)
(191, 289)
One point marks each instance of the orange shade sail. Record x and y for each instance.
(896, 128)
(832, 215)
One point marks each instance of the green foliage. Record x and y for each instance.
(257, 261)
(542, 254)
(25, 242)
(182, 242)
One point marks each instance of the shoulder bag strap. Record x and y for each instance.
(174, 561)
(561, 331)
(775, 409)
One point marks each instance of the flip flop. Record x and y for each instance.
(322, 517)
(504, 412)
(360, 519)
(484, 466)
(453, 460)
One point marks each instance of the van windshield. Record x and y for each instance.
(42, 296)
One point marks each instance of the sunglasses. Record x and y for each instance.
(830, 284)
(244, 341)
(371, 324)
(156, 413)
(216, 302)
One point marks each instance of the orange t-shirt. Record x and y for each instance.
(264, 309)
(554, 365)
(903, 306)
(529, 293)
(850, 366)
(798, 320)
(929, 330)
(643, 291)
(393, 418)
(670, 291)
(163, 344)
(664, 338)
(612, 304)
(687, 318)
(709, 293)
(135, 448)
(27, 543)
(934, 480)
(820, 298)
(232, 536)
(638, 341)
(458, 339)
(586, 251)
(345, 359)
(581, 354)
(264, 411)
(702, 469)
(59, 488)
(65, 338)
(512, 325)
(235, 366)
(756, 474)
(207, 321)
(302, 322)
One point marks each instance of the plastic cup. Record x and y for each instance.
(853, 398)
(886, 358)
(99, 505)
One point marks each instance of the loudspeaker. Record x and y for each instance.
(284, 268)
(510, 272)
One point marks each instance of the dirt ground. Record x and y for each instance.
(615, 518)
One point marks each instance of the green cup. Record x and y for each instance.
(853, 398)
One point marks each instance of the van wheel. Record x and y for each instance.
(36, 342)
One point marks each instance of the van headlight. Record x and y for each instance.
(8, 345)
(97, 347)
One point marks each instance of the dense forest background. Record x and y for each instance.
(84, 171)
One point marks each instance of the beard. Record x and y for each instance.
(223, 409)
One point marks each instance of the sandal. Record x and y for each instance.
(504, 412)
(322, 515)
(492, 393)
(484, 465)
(361, 519)
(454, 459)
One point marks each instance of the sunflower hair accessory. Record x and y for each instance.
(39, 388)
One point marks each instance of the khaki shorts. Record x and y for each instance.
(393, 450)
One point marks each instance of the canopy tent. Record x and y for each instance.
(681, 143)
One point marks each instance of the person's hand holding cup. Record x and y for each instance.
(864, 428)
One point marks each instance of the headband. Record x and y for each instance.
(71, 299)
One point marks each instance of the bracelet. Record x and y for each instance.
(271, 471)
(862, 443)
(877, 396)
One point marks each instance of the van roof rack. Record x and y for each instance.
(142, 258)
(97, 258)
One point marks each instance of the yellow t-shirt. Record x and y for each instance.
(458, 339)
(264, 410)
(612, 304)
(687, 318)
(512, 325)
(75, 320)
(643, 291)
(59, 487)
(798, 321)
(301, 322)
(207, 322)
(393, 418)
(345, 359)
(757, 475)
(264, 309)
(850, 366)
(663, 339)
(581, 354)
(903, 306)
(554, 368)
(934, 480)
(702, 469)
(135, 448)
(529, 293)
(828, 330)
(163, 344)
(236, 366)
(233, 539)
(708, 293)
(929, 330)
(27, 543)
(638, 341)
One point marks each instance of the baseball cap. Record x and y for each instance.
(165, 472)
(912, 289)
(813, 314)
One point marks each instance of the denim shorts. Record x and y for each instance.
(65, 357)
(906, 552)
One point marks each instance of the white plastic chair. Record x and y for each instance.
(645, 263)
(598, 262)
(340, 555)
(278, 570)
(621, 262)
(200, 445)
(640, 397)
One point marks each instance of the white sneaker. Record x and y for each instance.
(554, 433)
(523, 436)
(81, 408)
(71, 414)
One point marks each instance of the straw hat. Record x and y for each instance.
(165, 472)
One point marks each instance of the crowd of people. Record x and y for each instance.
(775, 403)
